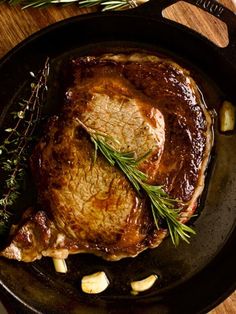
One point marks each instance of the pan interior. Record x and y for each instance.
(174, 266)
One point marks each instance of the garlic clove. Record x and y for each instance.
(227, 117)
(144, 284)
(60, 265)
(94, 283)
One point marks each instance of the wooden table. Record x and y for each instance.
(15, 25)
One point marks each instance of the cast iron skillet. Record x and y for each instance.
(192, 278)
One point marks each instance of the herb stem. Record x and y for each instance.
(13, 149)
(163, 207)
(103, 4)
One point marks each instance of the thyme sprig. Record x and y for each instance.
(104, 4)
(164, 208)
(13, 149)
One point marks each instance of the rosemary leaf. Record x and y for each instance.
(163, 207)
(105, 4)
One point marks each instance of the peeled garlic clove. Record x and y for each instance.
(94, 283)
(60, 265)
(144, 284)
(227, 117)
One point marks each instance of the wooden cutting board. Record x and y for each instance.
(17, 24)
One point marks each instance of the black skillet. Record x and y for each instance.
(193, 278)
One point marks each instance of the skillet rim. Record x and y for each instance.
(59, 24)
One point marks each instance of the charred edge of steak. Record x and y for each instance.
(181, 170)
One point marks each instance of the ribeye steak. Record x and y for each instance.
(147, 104)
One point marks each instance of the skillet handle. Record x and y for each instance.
(154, 8)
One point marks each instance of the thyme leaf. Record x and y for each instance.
(163, 207)
(14, 146)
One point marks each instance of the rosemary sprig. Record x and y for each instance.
(162, 205)
(13, 149)
(104, 4)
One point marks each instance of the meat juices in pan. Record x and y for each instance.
(146, 103)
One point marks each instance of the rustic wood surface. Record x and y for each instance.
(17, 24)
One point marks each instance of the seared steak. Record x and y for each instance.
(146, 104)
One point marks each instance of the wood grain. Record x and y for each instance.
(17, 24)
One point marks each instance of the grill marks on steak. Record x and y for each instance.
(91, 207)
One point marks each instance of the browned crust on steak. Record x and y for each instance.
(178, 160)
